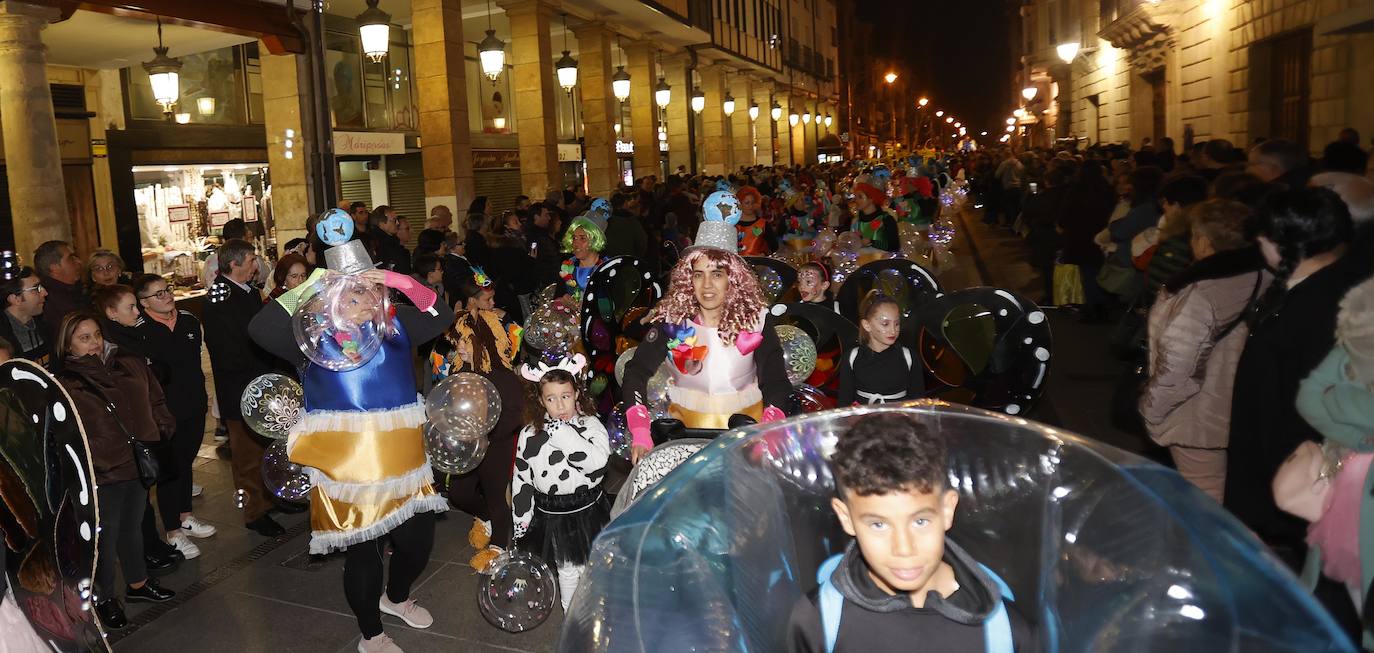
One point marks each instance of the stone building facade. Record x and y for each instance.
(1197, 69)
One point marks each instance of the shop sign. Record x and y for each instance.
(623, 147)
(369, 143)
(486, 159)
(98, 148)
(569, 152)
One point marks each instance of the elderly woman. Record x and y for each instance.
(585, 240)
(1196, 334)
(105, 268)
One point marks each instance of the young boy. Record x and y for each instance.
(900, 583)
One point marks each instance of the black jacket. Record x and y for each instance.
(37, 354)
(178, 352)
(63, 298)
(625, 236)
(1286, 344)
(234, 358)
(872, 620)
(391, 254)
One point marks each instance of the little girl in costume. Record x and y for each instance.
(879, 370)
(556, 495)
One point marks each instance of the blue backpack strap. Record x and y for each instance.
(997, 628)
(830, 601)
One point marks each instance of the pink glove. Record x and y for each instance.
(637, 419)
(773, 414)
(422, 297)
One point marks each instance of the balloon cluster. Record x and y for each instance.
(272, 404)
(519, 593)
(462, 410)
(552, 325)
(289, 481)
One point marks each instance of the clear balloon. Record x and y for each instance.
(340, 327)
(621, 362)
(454, 455)
(552, 325)
(286, 479)
(519, 594)
(272, 404)
(618, 431)
(798, 353)
(465, 405)
(656, 391)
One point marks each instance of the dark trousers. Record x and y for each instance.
(411, 543)
(120, 540)
(482, 492)
(174, 495)
(247, 450)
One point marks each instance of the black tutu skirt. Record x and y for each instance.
(563, 526)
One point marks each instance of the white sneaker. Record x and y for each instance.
(184, 544)
(196, 528)
(414, 615)
(379, 644)
(196, 490)
(221, 440)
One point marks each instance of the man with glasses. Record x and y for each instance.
(387, 248)
(23, 325)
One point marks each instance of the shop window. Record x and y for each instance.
(218, 87)
(344, 80)
(494, 110)
(178, 206)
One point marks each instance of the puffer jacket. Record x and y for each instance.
(125, 379)
(1187, 400)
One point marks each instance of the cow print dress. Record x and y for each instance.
(556, 494)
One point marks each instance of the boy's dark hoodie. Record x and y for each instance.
(873, 621)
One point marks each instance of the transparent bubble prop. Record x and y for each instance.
(657, 389)
(465, 406)
(798, 353)
(1104, 550)
(519, 594)
(272, 404)
(340, 327)
(621, 362)
(454, 455)
(287, 480)
(618, 431)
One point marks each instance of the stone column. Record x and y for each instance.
(743, 128)
(599, 108)
(714, 125)
(644, 112)
(784, 131)
(801, 106)
(763, 127)
(281, 104)
(809, 143)
(34, 163)
(441, 82)
(679, 113)
(533, 85)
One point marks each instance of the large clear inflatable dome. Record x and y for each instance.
(1104, 550)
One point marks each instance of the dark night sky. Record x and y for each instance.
(930, 34)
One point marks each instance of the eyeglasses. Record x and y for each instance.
(112, 267)
(38, 287)
(161, 294)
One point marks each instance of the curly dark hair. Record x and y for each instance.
(534, 403)
(889, 452)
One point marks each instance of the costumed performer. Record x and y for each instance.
(585, 240)
(556, 496)
(361, 435)
(717, 331)
(879, 370)
(876, 226)
(756, 238)
(478, 342)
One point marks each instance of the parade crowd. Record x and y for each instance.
(1236, 281)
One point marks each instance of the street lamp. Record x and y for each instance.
(923, 102)
(949, 119)
(793, 118)
(828, 119)
(1011, 121)
(205, 105)
(491, 51)
(1068, 51)
(728, 105)
(806, 117)
(890, 77)
(374, 28)
(776, 111)
(620, 84)
(566, 66)
(163, 75)
(958, 124)
(1019, 113)
(662, 93)
(698, 101)
(939, 114)
(753, 111)
(1029, 93)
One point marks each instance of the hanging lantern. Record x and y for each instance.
(728, 105)
(792, 118)
(753, 111)
(206, 106)
(163, 75)
(492, 53)
(374, 27)
(806, 118)
(698, 101)
(662, 93)
(566, 67)
(620, 84)
(940, 113)
(1029, 93)
(829, 119)
(776, 111)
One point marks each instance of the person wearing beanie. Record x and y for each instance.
(876, 226)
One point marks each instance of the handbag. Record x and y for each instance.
(1068, 285)
(144, 458)
(1302, 485)
(1119, 280)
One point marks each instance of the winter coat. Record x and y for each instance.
(1085, 211)
(391, 252)
(125, 380)
(234, 359)
(1187, 400)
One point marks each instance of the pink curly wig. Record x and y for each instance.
(742, 307)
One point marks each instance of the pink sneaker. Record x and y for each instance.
(414, 615)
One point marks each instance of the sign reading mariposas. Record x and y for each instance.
(353, 143)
